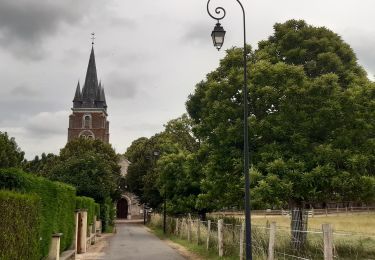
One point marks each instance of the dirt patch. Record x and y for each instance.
(96, 251)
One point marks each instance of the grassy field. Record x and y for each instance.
(351, 223)
(354, 237)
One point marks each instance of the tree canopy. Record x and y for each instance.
(159, 168)
(91, 166)
(311, 122)
(10, 154)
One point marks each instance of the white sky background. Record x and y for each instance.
(149, 56)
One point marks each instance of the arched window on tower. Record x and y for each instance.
(87, 122)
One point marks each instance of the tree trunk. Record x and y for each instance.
(298, 227)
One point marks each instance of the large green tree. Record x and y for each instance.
(40, 165)
(91, 166)
(10, 154)
(311, 122)
(162, 167)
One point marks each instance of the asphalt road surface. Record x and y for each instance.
(133, 241)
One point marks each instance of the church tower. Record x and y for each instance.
(89, 112)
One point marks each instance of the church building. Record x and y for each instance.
(89, 116)
(89, 120)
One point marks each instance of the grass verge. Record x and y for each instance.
(200, 250)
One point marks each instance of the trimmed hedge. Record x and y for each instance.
(107, 214)
(57, 205)
(90, 205)
(20, 221)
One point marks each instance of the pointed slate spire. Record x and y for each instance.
(91, 82)
(103, 97)
(78, 95)
(77, 101)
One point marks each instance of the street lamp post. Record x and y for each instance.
(218, 35)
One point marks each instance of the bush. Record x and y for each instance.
(90, 205)
(107, 214)
(57, 205)
(20, 221)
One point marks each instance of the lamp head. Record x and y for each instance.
(218, 35)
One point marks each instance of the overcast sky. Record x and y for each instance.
(149, 56)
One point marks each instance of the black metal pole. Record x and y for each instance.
(165, 214)
(220, 11)
(246, 151)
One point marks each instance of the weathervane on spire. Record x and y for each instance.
(92, 38)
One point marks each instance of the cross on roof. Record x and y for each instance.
(92, 38)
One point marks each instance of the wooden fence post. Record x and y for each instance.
(208, 233)
(182, 229)
(198, 231)
(189, 229)
(271, 242)
(328, 241)
(177, 222)
(326, 211)
(220, 227)
(242, 232)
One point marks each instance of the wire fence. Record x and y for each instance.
(225, 237)
(338, 211)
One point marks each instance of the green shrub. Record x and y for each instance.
(57, 205)
(107, 214)
(97, 210)
(90, 205)
(19, 225)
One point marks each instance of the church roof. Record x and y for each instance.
(92, 95)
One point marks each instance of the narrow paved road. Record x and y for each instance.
(134, 242)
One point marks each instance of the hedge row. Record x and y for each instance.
(107, 215)
(57, 205)
(20, 217)
(90, 205)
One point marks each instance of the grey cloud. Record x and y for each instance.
(24, 24)
(363, 44)
(47, 123)
(118, 57)
(24, 91)
(14, 109)
(197, 34)
(366, 54)
(123, 22)
(120, 86)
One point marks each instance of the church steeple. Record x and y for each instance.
(91, 83)
(89, 112)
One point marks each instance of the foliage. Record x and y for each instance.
(107, 214)
(91, 207)
(20, 221)
(158, 169)
(57, 204)
(311, 122)
(317, 50)
(91, 175)
(89, 165)
(92, 167)
(80, 146)
(40, 166)
(10, 154)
